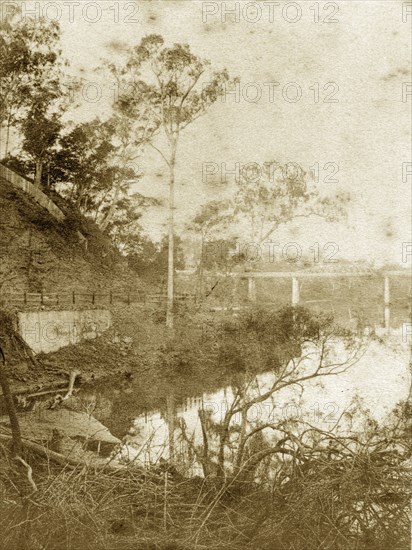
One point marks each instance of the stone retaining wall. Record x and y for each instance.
(48, 331)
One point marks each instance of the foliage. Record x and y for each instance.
(175, 97)
(81, 163)
(29, 55)
(90, 170)
(149, 259)
(168, 88)
(212, 222)
(40, 134)
(291, 345)
(212, 218)
(343, 490)
(32, 96)
(262, 339)
(313, 488)
(269, 197)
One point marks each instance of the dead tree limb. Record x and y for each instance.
(64, 460)
(11, 409)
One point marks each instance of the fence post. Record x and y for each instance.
(74, 297)
(110, 297)
(93, 298)
(128, 299)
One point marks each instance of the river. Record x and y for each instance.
(376, 382)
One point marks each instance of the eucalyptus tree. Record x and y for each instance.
(30, 69)
(123, 159)
(212, 219)
(212, 223)
(41, 131)
(275, 194)
(81, 164)
(166, 89)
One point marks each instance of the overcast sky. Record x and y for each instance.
(361, 53)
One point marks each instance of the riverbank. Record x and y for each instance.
(138, 348)
(288, 490)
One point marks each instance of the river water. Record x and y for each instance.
(377, 381)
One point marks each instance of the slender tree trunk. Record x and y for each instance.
(109, 216)
(24, 536)
(201, 270)
(7, 136)
(171, 234)
(171, 416)
(11, 409)
(205, 451)
(38, 173)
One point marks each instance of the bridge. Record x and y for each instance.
(297, 277)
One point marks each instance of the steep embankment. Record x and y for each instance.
(41, 254)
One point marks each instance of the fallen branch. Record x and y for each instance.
(73, 375)
(58, 399)
(29, 472)
(61, 459)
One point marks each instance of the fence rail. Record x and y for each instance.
(38, 300)
(41, 198)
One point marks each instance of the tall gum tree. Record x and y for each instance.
(173, 87)
(30, 68)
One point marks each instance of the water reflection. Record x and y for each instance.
(177, 431)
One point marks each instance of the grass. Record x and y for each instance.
(78, 508)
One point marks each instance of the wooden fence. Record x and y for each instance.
(50, 300)
(41, 198)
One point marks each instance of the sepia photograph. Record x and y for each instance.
(206, 275)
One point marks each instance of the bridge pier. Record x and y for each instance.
(387, 302)
(251, 289)
(295, 291)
